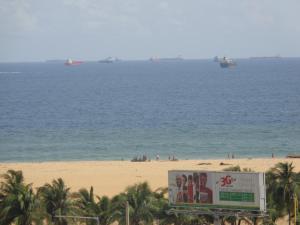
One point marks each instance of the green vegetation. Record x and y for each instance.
(237, 169)
(20, 204)
(282, 190)
(56, 200)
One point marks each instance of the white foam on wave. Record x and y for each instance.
(9, 72)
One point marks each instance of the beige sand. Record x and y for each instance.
(111, 177)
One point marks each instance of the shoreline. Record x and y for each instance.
(151, 160)
(112, 177)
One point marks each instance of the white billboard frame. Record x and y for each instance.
(217, 190)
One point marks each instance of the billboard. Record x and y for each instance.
(228, 190)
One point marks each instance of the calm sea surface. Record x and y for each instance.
(190, 109)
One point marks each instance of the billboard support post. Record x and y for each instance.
(217, 220)
(217, 213)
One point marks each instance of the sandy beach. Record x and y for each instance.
(112, 177)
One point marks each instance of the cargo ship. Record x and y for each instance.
(226, 62)
(71, 62)
(109, 60)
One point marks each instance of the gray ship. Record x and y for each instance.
(226, 62)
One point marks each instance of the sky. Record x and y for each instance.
(37, 30)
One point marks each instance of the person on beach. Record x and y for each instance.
(205, 192)
(190, 189)
(144, 159)
(184, 188)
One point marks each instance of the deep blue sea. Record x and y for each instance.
(192, 109)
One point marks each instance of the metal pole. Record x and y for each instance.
(127, 212)
(295, 207)
(217, 220)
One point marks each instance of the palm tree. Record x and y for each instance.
(283, 186)
(237, 169)
(85, 202)
(12, 179)
(162, 205)
(275, 202)
(57, 201)
(165, 218)
(181, 219)
(141, 205)
(18, 202)
(87, 206)
(162, 208)
(104, 204)
(233, 169)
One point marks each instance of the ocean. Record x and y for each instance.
(192, 109)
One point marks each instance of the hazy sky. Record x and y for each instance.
(138, 29)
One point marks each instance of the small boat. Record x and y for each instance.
(71, 62)
(226, 62)
(293, 156)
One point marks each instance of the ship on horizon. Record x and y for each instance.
(71, 62)
(109, 60)
(266, 57)
(226, 62)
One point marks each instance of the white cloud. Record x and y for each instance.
(133, 28)
(16, 16)
(164, 5)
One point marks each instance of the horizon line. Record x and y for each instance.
(148, 59)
